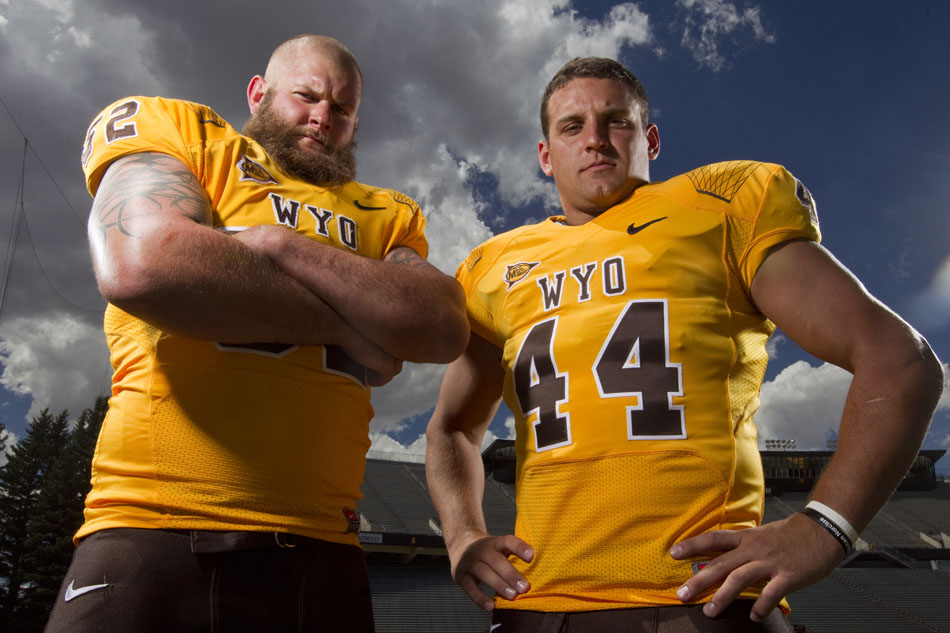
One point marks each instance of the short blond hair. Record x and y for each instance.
(324, 44)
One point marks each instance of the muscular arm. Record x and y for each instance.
(156, 256)
(403, 304)
(897, 382)
(897, 378)
(471, 392)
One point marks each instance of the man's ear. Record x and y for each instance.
(255, 93)
(544, 158)
(653, 141)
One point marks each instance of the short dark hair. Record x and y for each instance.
(594, 68)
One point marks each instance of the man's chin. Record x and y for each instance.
(607, 197)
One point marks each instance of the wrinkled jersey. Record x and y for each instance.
(633, 360)
(203, 435)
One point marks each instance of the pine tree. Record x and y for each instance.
(56, 516)
(4, 436)
(21, 480)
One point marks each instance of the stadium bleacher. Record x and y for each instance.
(874, 601)
(421, 597)
(396, 499)
(897, 582)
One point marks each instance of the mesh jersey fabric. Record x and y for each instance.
(201, 435)
(633, 360)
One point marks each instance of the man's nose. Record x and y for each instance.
(320, 115)
(597, 135)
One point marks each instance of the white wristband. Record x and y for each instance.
(839, 520)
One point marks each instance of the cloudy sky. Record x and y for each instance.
(845, 94)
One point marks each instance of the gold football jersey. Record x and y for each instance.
(202, 435)
(633, 360)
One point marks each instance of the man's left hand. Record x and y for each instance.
(787, 555)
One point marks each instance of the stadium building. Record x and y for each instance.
(896, 581)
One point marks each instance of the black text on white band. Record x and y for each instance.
(830, 526)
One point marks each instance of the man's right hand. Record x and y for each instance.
(485, 560)
(387, 369)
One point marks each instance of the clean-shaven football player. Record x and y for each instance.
(628, 337)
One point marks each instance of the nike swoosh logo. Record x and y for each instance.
(75, 593)
(633, 228)
(359, 206)
(493, 627)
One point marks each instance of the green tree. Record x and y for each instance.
(56, 516)
(21, 481)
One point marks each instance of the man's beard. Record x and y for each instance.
(335, 167)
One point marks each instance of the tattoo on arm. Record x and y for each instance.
(405, 255)
(144, 185)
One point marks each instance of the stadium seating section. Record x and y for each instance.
(898, 580)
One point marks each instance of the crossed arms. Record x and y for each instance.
(156, 256)
(820, 305)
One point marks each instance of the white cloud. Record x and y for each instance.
(488, 438)
(465, 99)
(803, 403)
(60, 361)
(931, 307)
(385, 447)
(772, 345)
(453, 96)
(708, 22)
(624, 24)
(68, 44)
(10, 439)
(438, 185)
(510, 427)
(412, 392)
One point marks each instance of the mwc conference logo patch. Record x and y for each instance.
(515, 273)
(254, 171)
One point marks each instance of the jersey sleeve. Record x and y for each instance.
(479, 315)
(786, 211)
(412, 230)
(133, 125)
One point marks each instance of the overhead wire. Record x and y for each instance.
(15, 229)
(20, 216)
(43, 165)
(46, 276)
